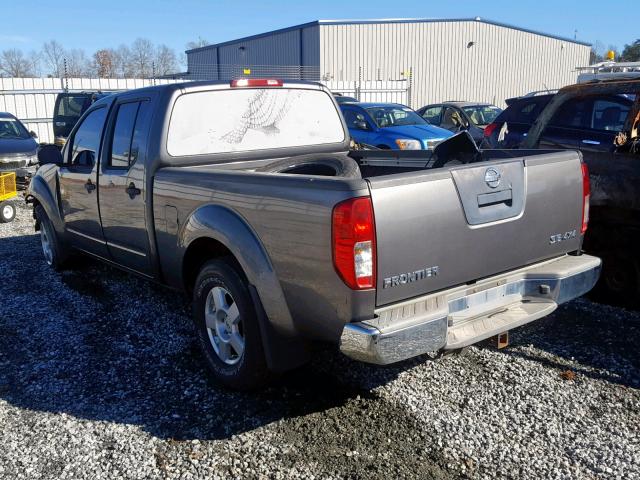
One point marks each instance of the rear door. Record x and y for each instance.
(122, 186)
(441, 228)
(608, 115)
(566, 127)
(78, 184)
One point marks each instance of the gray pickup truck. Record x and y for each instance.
(245, 196)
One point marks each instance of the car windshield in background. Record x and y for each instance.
(482, 114)
(395, 116)
(11, 128)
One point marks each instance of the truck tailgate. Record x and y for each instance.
(445, 227)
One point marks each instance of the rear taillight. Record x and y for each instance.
(489, 129)
(256, 82)
(586, 194)
(354, 242)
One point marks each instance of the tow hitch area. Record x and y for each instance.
(501, 340)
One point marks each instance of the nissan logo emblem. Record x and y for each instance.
(492, 177)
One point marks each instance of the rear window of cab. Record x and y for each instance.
(243, 120)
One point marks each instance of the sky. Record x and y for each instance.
(90, 25)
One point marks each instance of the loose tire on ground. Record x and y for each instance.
(220, 294)
(52, 249)
(7, 212)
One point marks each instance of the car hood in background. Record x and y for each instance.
(423, 132)
(10, 147)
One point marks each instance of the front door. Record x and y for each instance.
(78, 185)
(122, 187)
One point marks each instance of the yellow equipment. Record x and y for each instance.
(7, 192)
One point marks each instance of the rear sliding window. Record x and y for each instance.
(251, 119)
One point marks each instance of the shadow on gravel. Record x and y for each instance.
(100, 344)
(603, 340)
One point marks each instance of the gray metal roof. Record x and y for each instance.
(386, 20)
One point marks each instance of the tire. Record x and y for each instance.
(225, 317)
(7, 212)
(324, 165)
(52, 249)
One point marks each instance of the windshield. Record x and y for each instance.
(12, 128)
(482, 114)
(242, 120)
(395, 116)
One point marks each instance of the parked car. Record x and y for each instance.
(510, 128)
(390, 126)
(237, 195)
(340, 98)
(602, 121)
(18, 148)
(457, 116)
(68, 108)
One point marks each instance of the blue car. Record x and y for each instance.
(391, 126)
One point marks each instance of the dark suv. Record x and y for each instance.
(67, 111)
(519, 115)
(602, 121)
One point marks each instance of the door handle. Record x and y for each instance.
(591, 142)
(133, 191)
(89, 186)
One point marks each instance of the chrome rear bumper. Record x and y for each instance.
(468, 314)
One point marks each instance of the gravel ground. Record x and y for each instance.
(100, 377)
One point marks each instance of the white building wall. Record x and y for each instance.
(503, 62)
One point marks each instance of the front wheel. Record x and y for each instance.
(52, 249)
(227, 326)
(7, 212)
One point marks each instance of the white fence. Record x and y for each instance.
(391, 91)
(32, 100)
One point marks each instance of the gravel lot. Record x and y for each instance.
(100, 377)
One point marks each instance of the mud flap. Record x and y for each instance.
(281, 352)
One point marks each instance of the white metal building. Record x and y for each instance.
(459, 59)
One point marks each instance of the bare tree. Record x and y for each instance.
(142, 57)
(200, 42)
(165, 60)
(53, 55)
(78, 64)
(123, 62)
(13, 63)
(104, 61)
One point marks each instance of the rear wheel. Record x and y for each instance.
(7, 212)
(227, 326)
(52, 249)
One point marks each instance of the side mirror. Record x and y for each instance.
(49, 154)
(33, 134)
(362, 125)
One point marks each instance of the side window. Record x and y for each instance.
(352, 117)
(575, 113)
(86, 140)
(609, 115)
(140, 130)
(129, 132)
(451, 118)
(432, 115)
(122, 133)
